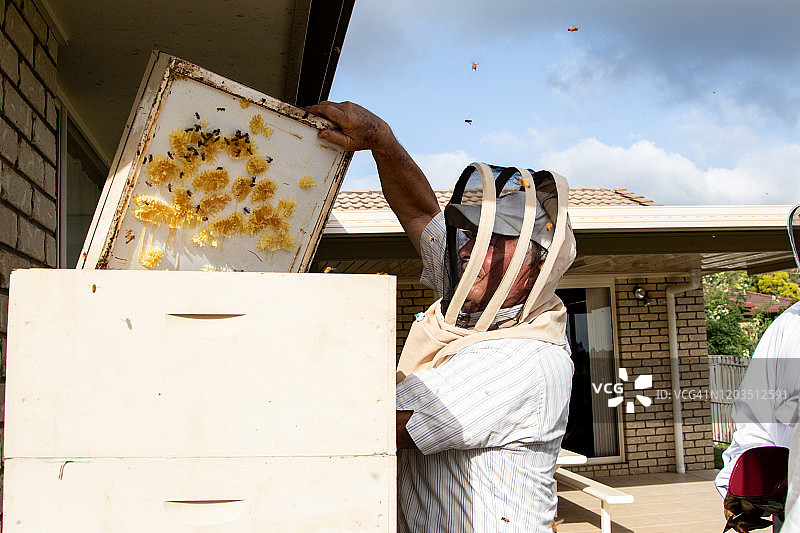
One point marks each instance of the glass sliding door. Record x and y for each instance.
(592, 429)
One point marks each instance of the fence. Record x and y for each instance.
(725, 374)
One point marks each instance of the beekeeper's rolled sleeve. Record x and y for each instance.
(432, 249)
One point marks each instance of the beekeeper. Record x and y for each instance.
(766, 408)
(485, 376)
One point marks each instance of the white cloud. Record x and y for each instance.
(443, 169)
(766, 176)
(579, 71)
(760, 176)
(506, 143)
(369, 182)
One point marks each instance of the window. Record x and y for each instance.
(592, 429)
(83, 174)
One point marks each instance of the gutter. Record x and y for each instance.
(677, 417)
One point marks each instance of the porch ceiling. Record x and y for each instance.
(598, 253)
(285, 48)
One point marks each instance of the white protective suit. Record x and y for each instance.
(768, 405)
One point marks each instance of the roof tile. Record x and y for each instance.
(578, 196)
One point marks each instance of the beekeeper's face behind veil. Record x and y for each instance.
(498, 235)
(494, 265)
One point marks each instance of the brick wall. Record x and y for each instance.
(28, 126)
(411, 299)
(643, 349)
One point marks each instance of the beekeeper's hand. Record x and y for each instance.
(359, 129)
(403, 184)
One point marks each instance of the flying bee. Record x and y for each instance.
(129, 236)
(269, 159)
(169, 187)
(170, 155)
(247, 211)
(148, 183)
(220, 109)
(205, 219)
(197, 208)
(196, 114)
(188, 193)
(253, 184)
(150, 158)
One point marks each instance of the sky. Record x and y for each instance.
(686, 102)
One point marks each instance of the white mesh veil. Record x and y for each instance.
(496, 233)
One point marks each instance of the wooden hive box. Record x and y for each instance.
(199, 402)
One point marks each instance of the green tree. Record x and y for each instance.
(777, 284)
(729, 331)
(724, 295)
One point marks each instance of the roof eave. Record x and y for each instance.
(602, 219)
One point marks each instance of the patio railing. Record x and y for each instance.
(725, 374)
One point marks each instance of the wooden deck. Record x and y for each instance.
(666, 502)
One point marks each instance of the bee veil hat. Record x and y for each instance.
(519, 205)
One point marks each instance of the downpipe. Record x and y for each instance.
(677, 417)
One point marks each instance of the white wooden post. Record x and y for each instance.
(605, 517)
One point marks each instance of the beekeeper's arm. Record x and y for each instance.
(404, 185)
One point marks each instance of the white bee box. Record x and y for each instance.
(296, 494)
(199, 402)
(199, 364)
(175, 96)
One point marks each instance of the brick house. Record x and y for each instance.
(625, 242)
(69, 74)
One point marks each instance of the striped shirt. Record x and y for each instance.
(488, 424)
